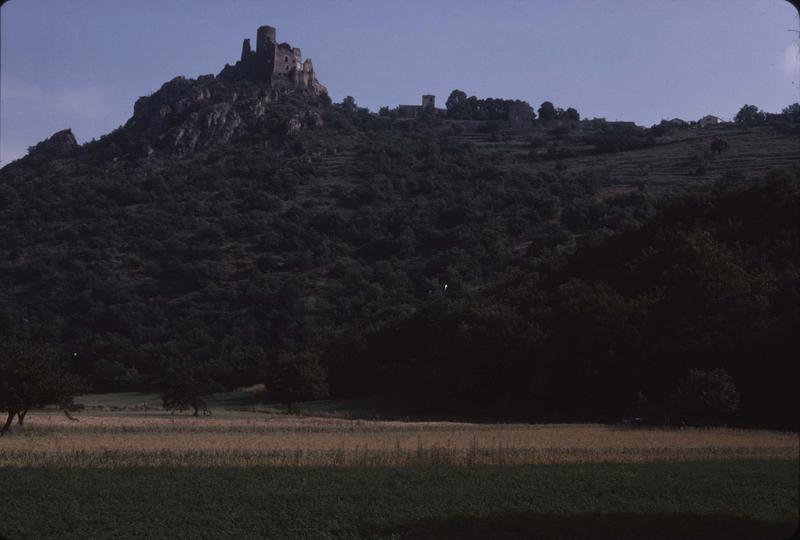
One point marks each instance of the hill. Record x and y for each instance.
(231, 220)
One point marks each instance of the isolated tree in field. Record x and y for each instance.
(705, 395)
(547, 112)
(294, 378)
(187, 387)
(31, 376)
(719, 146)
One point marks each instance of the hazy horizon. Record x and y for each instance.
(83, 66)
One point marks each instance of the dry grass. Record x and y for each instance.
(128, 440)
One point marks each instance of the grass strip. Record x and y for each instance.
(703, 499)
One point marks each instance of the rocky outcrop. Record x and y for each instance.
(60, 144)
(185, 115)
(270, 93)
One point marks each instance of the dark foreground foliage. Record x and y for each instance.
(740, 500)
(705, 292)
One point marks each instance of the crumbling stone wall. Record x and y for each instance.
(411, 111)
(284, 59)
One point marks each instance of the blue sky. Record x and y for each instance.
(83, 63)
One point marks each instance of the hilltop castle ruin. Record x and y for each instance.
(280, 65)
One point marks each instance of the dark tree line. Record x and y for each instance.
(692, 316)
(461, 107)
(751, 115)
(287, 379)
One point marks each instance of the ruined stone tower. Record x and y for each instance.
(278, 64)
(265, 38)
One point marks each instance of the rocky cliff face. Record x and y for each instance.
(185, 115)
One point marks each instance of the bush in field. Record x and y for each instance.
(31, 376)
(296, 377)
(188, 387)
(719, 146)
(706, 395)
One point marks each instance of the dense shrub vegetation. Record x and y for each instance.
(623, 324)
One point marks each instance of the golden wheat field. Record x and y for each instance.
(119, 439)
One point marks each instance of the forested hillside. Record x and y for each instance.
(703, 294)
(556, 268)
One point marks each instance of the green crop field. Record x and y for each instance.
(714, 499)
